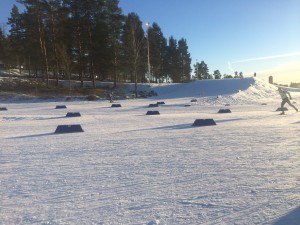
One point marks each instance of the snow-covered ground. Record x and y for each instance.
(131, 168)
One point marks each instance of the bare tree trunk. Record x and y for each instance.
(29, 66)
(115, 61)
(115, 70)
(115, 65)
(135, 83)
(54, 46)
(92, 74)
(43, 49)
(80, 54)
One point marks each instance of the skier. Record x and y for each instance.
(285, 99)
(110, 96)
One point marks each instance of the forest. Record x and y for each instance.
(92, 40)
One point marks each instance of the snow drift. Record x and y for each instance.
(251, 87)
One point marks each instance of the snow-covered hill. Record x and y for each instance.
(251, 88)
(207, 88)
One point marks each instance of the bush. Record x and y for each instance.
(92, 98)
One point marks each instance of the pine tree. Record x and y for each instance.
(64, 42)
(185, 60)
(3, 49)
(157, 46)
(16, 37)
(114, 19)
(37, 10)
(201, 71)
(236, 74)
(75, 11)
(134, 47)
(197, 75)
(53, 8)
(204, 71)
(173, 61)
(217, 74)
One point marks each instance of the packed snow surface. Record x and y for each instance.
(131, 168)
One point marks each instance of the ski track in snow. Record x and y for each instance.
(129, 168)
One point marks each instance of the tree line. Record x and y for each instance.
(92, 40)
(295, 85)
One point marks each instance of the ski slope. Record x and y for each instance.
(130, 168)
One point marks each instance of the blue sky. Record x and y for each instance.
(248, 36)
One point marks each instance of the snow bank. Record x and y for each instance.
(251, 87)
(203, 88)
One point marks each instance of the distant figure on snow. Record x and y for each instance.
(110, 97)
(285, 96)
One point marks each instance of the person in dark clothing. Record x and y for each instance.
(285, 96)
(110, 97)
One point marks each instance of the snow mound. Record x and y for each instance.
(203, 88)
(231, 91)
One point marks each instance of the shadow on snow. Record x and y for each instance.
(292, 218)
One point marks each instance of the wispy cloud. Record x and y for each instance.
(231, 64)
(266, 58)
(230, 67)
(283, 73)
